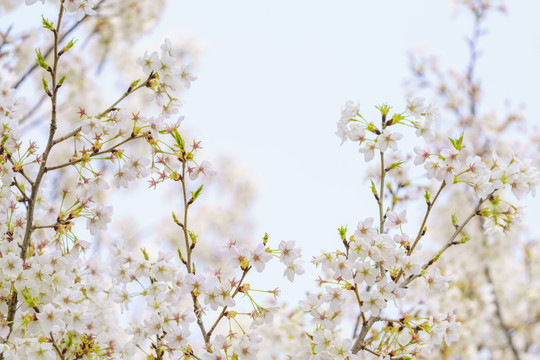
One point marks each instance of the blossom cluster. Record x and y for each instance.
(378, 262)
(80, 8)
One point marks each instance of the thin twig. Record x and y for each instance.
(449, 243)
(5, 35)
(197, 308)
(45, 226)
(30, 181)
(426, 216)
(473, 56)
(56, 347)
(16, 183)
(32, 111)
(109, 109)
(366, 325)
(430, 205)
(236, 291)
(498, 312)
(54, 46)
(56, 167)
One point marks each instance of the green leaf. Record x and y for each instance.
(396, 119)
(31, 301)
(343, 233)
(374, 190)
(145, 254)
(61, 81)
(464, 239)
(427, 196)
(133, 84)
(373, 129)
(47, 24)
(395, 165)
(455, 221)
(180, 256)
(45, 85)
(176, 220)
(68, 46)
(384, 109)
(457, 143)
(178, 139)
(41, 60)
(195, 195)
(193, 237)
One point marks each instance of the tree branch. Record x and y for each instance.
(54, 46)
(498, 312)
(12, 309)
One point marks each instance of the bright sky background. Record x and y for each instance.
(274, 75)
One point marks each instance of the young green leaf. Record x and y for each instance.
(47, 24)
(195, 195)
(178, 139)
(41, 60)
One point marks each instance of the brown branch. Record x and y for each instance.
(16, 183)
(357, 323)
(186, 208)
(45, 226)
(10, 159)
(426, 216)
(12, 309)
(56, 347)
(430, 205)
(473, 56)
(359, 342)
(236, 291)
(197, 308)
(54, 46)
(498, 312)
(449, 243)
(366, 325)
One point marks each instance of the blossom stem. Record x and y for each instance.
(56, 167)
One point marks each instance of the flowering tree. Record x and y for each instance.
(382, 294)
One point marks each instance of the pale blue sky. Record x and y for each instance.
(274, 75)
